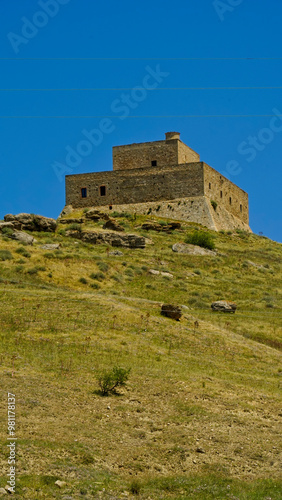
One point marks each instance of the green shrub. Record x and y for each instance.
(103, 266)
(8, 231)
(109, 380)
(97, 276)
(75, 227)
(135, 487)
(33, 270)
(5, 255)
(201, 239)
(23, 252)
(83, 281)
(96, 286)
(213, 204)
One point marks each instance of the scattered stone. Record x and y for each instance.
(23, 237)
(51, 246)
(186, 248)
(113, 225)
(61, 484)
(155, 226)
(71, 221)
(171, 311)
(114, 239)
(224, 306)
(148, 241)
(161, 273)
(66, 210)
(3, 491)
(31, 222)
(6, 224)
(116, 252)
(95, 215)
(253, 264)
(200, 450)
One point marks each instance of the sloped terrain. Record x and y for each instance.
(200, 416)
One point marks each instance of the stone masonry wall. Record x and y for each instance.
(138, 186)
(141, 155)
(186, 154)
(226, 194)
(191, 209)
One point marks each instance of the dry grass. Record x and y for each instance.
(199, 417)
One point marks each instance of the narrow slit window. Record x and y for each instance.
(220, 194)
(102, 190)
(83, 192)
(241, 208)
(230, 200)
(209, 185)
(154, 163)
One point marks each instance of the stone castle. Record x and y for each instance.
(163, 178)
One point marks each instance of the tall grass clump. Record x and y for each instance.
(201, 239)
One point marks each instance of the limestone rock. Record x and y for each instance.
(113, 225)
(3, 491)
(23, 237)
(112, 238)
(224, 306)
(151, 226)
(61, 484)
(51, 246)
(117, 253)
(160, 273)
(71, 221)
(6, 224)
(186, 248)
(94, 214)
(31, 222)
(148, 241)
(171, 311)
(66, 210)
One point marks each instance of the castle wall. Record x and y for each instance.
(136, 186)
(226, 194)
(186, 154)
(141, 155)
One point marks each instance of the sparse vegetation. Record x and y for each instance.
(201, 238)
(109, 380)
(206, 382)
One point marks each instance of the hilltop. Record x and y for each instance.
(199, 415)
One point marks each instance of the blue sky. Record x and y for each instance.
(213, 68)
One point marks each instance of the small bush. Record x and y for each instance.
(97, 276)
(5, 255)
(8, 231)
(214, 204)
(109, 380)
(103, 266)
(201, 239)
(135, 487)
(33, 270)
(75, 227)
(23, 252)
(96, 286)
(83, 281)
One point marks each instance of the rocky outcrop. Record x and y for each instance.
(224, 306)
(95, 215)
(112, 225)
(31, 222)
(51, 246)
(23, 237)
(71, 221)
(171, 311)
(154, 272)
(191, 249)
(111, 238)
(155, 226)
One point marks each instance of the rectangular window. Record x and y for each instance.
(102, 190)
(83, 192)
(154, 163)
(241, 208)
(220, 194)
(209, 185)
(230, 201)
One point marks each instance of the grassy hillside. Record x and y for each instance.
(199, 417)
